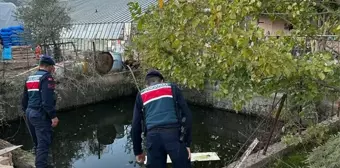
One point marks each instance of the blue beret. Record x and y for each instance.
(47, 60)
(153, 73)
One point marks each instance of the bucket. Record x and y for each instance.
(117, 63)
(109, 62)
(7, 53)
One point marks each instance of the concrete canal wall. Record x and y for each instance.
(258, 106)
(114, 85)
(71, 94)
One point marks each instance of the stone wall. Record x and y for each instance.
(86, 91)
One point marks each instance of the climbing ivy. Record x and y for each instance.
(201, 42)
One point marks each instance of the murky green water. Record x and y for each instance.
(99, 135)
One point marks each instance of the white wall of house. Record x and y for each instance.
(272, 27)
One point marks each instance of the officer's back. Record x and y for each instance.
(39, 105)
(155, 109)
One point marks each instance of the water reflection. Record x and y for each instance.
(99, 136)
(106, 134)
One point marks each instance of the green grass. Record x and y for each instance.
(293, 160)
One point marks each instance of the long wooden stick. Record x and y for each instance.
(9, 149)
(247, 153)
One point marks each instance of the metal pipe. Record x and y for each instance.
(283, 99)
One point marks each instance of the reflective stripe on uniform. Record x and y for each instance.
(156, 93)
(33, 83)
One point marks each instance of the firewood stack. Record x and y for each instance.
(23, 58)
(22, 52)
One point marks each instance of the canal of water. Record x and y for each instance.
(99, 135)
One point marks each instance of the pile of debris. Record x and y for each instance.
(13, 156)
(6, 160)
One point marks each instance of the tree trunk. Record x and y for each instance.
(57, 52)
(21, 158)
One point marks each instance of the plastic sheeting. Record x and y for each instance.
(7, 18)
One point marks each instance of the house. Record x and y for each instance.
(271, 27)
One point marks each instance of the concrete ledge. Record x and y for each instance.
(259, 106)
(71, 94)
(257, 160)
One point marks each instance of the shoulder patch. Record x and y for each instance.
(51, 86)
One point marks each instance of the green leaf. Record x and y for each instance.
(140, 25)
(218, 8)
(176, 44)
(327, 69)
(321, 75)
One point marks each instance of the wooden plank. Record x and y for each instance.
(17, 47)
(247, 153)
(197, 157)
(20, 157)
(9, 149)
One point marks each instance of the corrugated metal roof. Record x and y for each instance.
(103, 11)
(94, 31)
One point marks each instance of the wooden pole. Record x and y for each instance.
(94, 56)
(247, 153)
(283, 99)
(9, 149)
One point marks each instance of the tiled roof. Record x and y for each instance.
(103, 11)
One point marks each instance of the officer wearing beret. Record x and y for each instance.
(160, 109)
(38, 103)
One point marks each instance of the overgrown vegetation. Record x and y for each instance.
(327, 155)
(219, 43)
(315, 134)
(295, 159)
(195, 42)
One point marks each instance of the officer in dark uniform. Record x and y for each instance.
(160, 108)
(39, 104)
